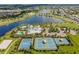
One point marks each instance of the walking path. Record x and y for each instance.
(10, 47)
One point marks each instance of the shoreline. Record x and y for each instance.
(12, 20)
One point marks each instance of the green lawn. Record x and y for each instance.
(74, 39)
(74, 48)
(68, 25)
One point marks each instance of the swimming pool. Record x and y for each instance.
(49, 45)
(25, 44)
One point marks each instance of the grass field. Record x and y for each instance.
(69, 25)
(74, 48)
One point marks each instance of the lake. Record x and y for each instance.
(33, 20)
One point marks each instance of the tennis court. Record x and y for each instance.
(61, 41)
(45, 44)
(5, 44)
(25, 44)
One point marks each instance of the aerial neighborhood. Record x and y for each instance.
(39, 29)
